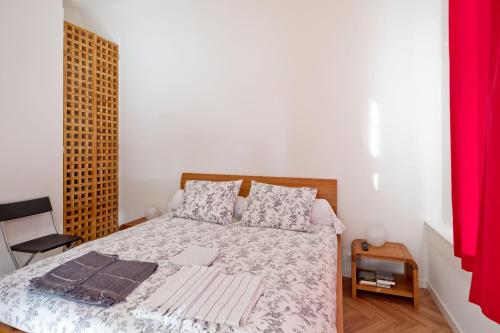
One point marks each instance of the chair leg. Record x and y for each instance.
(13, 258)
(8, 246)
(29, 259)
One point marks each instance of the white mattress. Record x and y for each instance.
(299, 272)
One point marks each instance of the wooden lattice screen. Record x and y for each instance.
(90, 134)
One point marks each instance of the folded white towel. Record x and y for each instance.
(195, 255)
(205, 294)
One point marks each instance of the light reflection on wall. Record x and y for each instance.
(375, 181)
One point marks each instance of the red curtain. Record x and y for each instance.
(474, 35)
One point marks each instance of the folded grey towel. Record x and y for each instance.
(94, 278)
(113, 283)
(67, 275)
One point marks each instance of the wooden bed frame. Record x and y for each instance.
(327, 189)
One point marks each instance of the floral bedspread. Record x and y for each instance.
(299, 272)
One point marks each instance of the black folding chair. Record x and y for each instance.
(17, 210)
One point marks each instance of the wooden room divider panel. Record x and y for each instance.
(107, 137)
(90, 134)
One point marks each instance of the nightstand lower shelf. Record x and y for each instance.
(403, 287)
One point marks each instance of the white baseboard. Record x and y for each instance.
(444, 310)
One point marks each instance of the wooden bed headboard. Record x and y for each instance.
(327, 188)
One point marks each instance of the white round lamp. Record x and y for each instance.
(152, 212)
(376, 235)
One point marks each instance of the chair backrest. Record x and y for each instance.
(16, 210)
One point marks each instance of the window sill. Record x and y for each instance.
(443, 230)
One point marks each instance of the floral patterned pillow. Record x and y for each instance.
(279, 207)
(209, 201)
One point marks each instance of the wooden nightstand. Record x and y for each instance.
(132, 223)
(406, 283)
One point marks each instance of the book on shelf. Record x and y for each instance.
(368, 283)
(381, 285)
(385, 278)
(367, 277)
(386, 283)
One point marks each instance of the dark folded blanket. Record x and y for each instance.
(113, 283)
(94, 278)
(67, 275)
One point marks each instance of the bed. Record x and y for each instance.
(302, 274)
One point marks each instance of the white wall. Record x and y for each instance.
(450, 286)
(346, 89)
(31, 77)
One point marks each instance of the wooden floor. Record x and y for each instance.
(374, 313)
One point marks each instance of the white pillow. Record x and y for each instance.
(239, 207)
(176, 201)
(322, 214)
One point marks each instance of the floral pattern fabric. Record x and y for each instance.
(279, 207)
(299, 271)
(209, 201)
